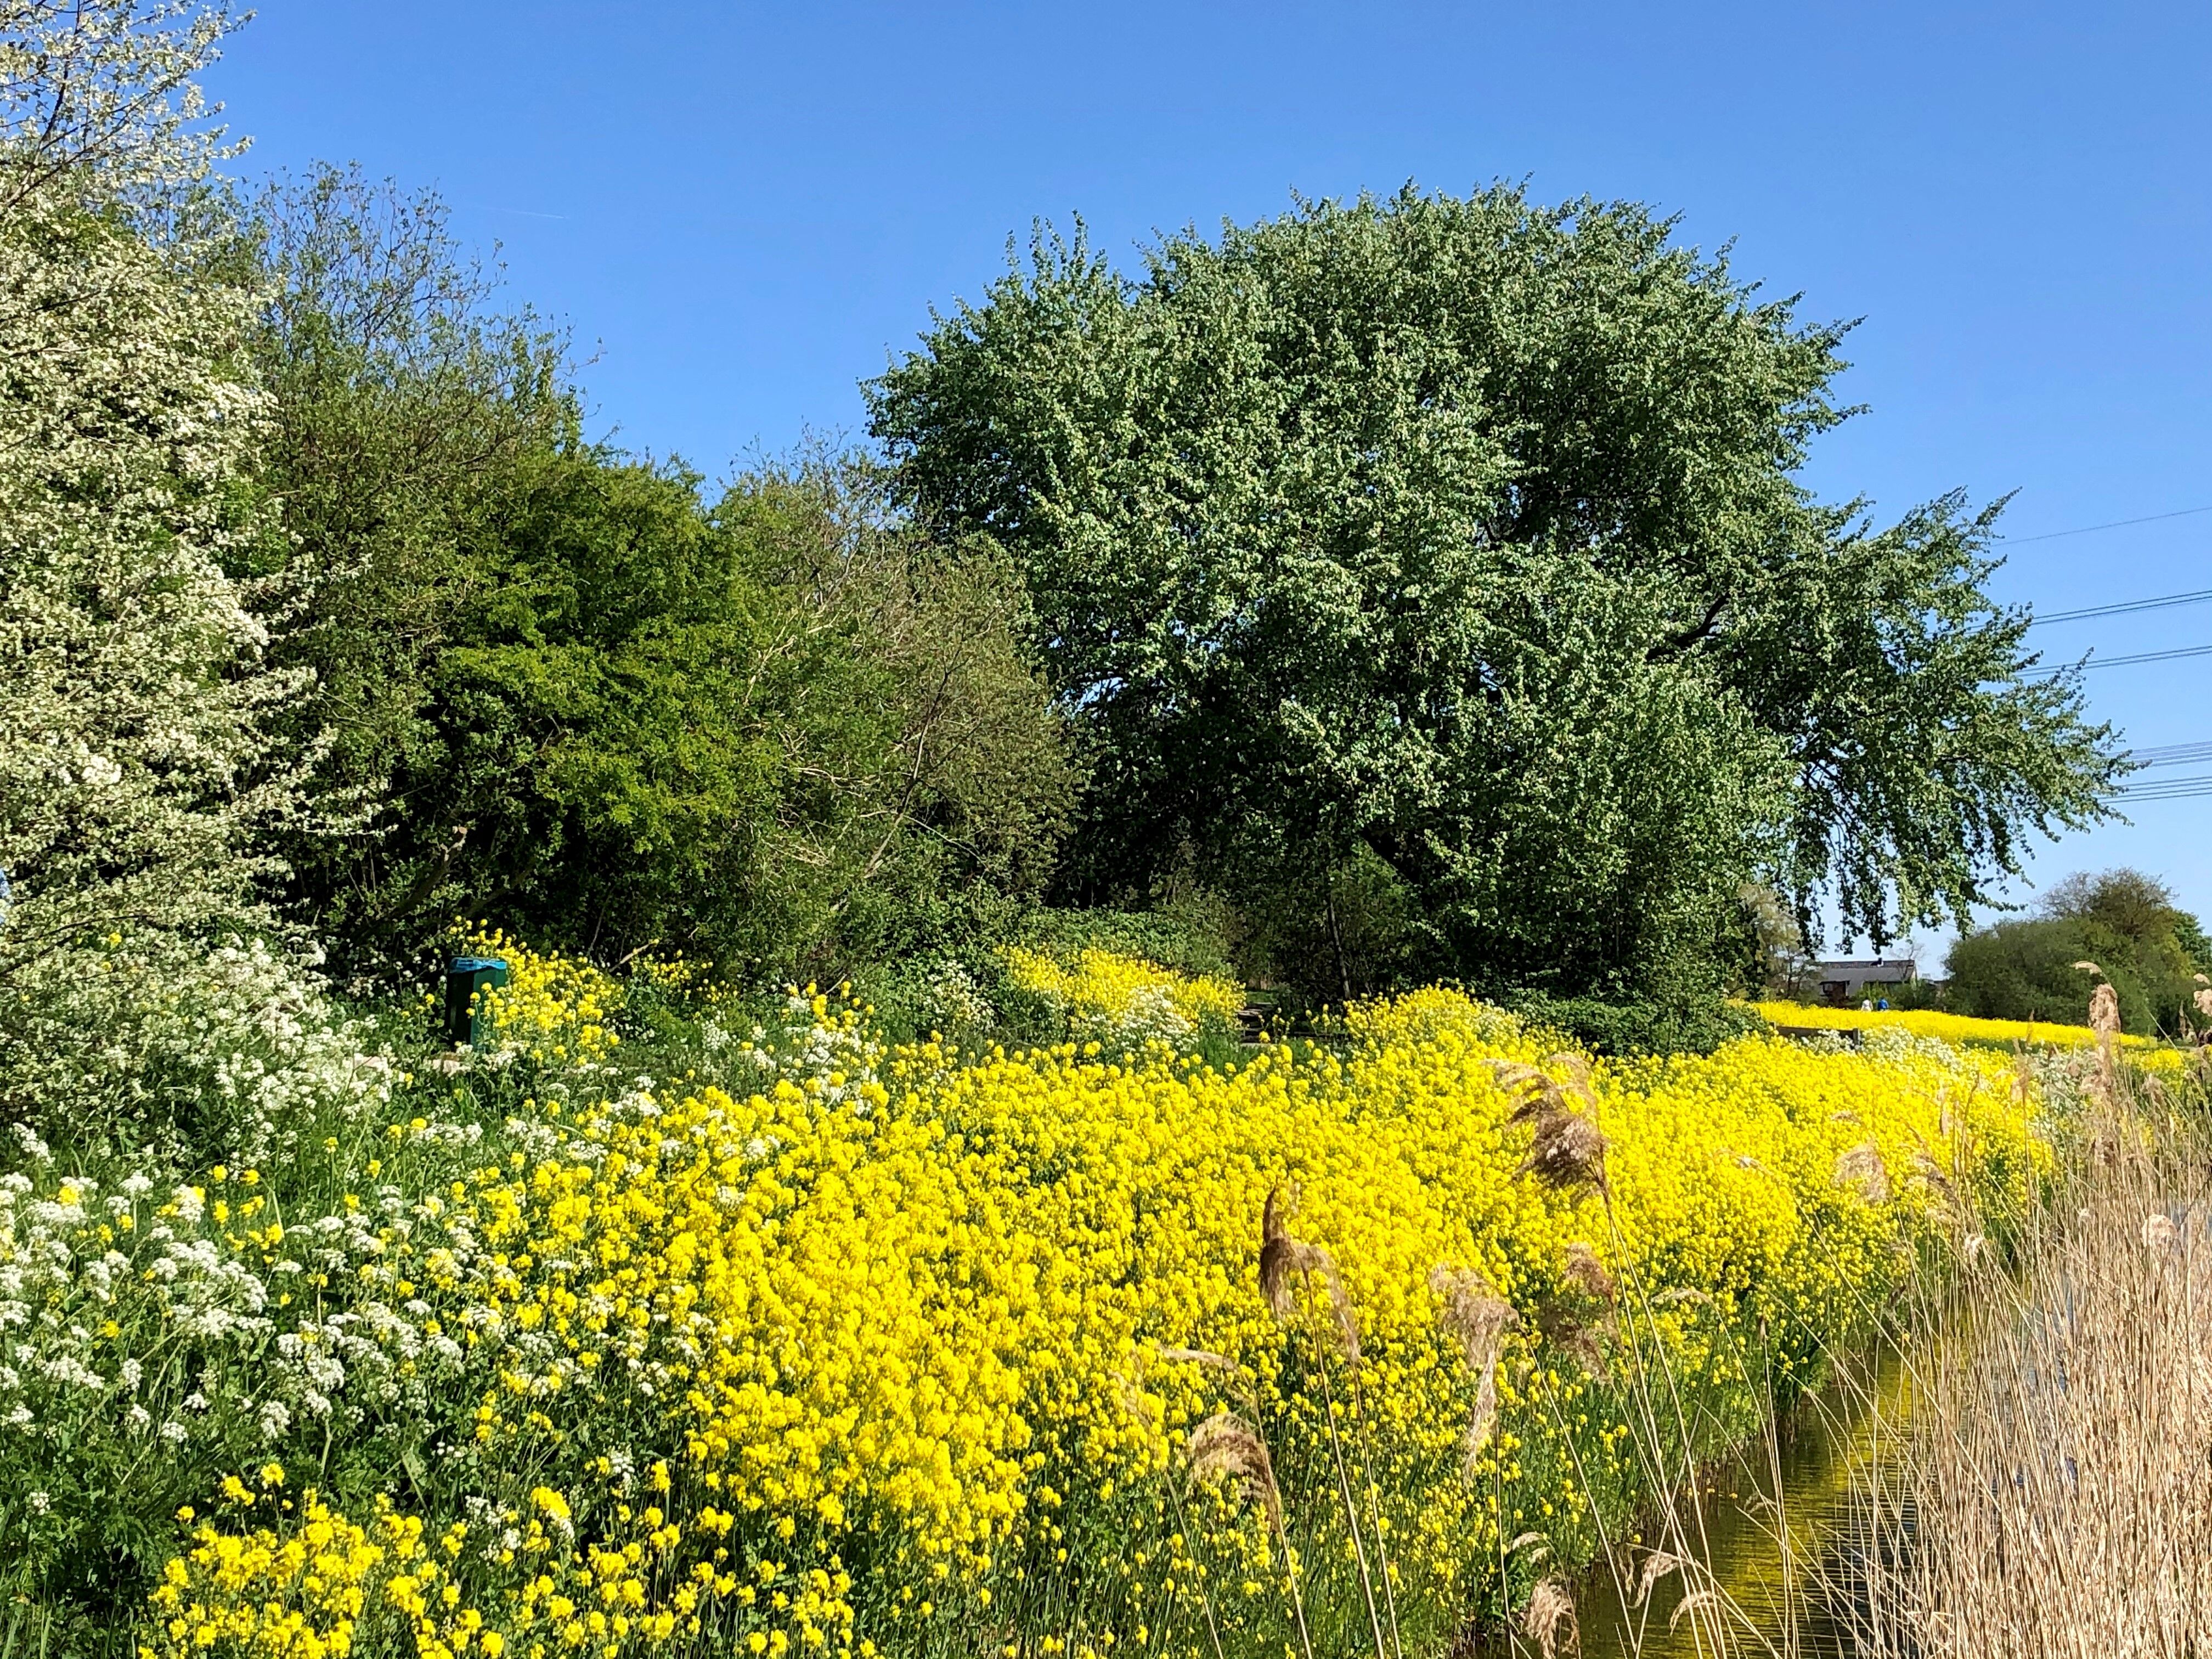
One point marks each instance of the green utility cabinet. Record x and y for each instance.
(466, 978)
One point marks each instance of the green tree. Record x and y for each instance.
(406, 414)
(1465, 535)
(565, 693)
(2121, 920)
(773, 734)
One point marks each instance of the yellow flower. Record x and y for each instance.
(949, 1318)
(1124, 1000)
(1948, 1028)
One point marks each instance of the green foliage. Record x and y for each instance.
(1684, 1023)
(1465, 532)
(1325, 932)
(405, 418)
(775, 732)
(769, 734)
(2121, 920)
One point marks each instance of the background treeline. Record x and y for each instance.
(2151, 951)
(1357, 658)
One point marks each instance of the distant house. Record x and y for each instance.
(1842, 983)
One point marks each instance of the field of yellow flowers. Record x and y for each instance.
(802, 1341)
(1931, 1023)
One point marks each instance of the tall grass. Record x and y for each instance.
(2052, 1492)
(2022, 1467)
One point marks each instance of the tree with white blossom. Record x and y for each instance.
(131, 755)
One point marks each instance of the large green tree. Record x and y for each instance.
(771, 733)
(405, 409)
(1466, 536)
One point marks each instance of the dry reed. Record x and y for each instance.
(1476, 1317)
(1550, 1610)
(2048, 1495)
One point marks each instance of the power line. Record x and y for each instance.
(2139, 656)
(2172, 754)
(2175, 789)
(2087, 529)
(2159, 603)
(2149, 656)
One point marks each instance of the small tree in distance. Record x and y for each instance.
(2121, 919)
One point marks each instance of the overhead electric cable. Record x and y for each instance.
(2159, 603)
(2172, 754)
(2190, 792)
(2087, 529)
(2139, 656)
(2153, 786)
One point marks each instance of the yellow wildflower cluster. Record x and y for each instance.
(554, 1008)
(960, 1322)
(1929, 1023)
(298, 1592)
(1124, 1001)
(675, 977)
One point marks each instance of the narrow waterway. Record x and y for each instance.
(1809, 1484)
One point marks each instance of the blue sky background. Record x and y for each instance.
(743, 210)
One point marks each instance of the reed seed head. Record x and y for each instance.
(1567, 1151)
(1284, 1259)
(2105, 1013)
(1473, 1315)
(1223, 1447)
(1690, 1605)
(1550, 1609)
(1862, 1170)
(1477, 1318)
(1656, 1565)
(1587, 1274)
(1239, 1380)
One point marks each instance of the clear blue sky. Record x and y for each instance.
(743, 210)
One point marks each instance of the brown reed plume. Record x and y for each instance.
(1284, 1261)
(1238, 1380)
(1477, 1318)
(1282, 1256)
(1862, 1170)
(1225, 1446)
(1567, 1151)
(1587, 1274)
(1550, 1607)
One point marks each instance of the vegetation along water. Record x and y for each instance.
(1158, 1013)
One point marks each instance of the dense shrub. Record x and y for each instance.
(2124, 922)
(1678, 1025)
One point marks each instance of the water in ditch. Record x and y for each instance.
(1812, 1483)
